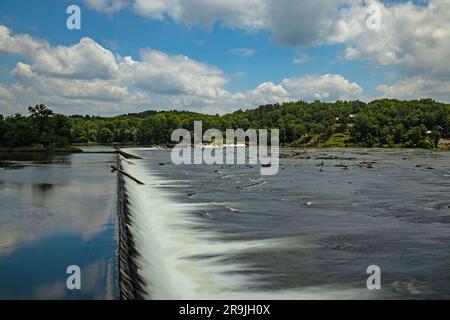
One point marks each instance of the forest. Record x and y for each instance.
(42, 129)
(380, 123)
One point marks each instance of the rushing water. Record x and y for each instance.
(57, 211)
(309, 232)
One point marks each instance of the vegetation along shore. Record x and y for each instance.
(381, 123)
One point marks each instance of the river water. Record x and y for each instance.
(57, 211)
(311, 231)
(226, 232)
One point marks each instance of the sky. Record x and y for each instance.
(217, 56)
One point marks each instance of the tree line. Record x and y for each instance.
(380, 123)
(41, 129)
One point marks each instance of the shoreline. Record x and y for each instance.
(78, 149)
(39, 150)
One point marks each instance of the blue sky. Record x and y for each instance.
(242, 56)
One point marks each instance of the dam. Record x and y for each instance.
(226, 232)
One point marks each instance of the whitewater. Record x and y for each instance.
(181, 257)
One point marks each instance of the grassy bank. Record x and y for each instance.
(344, 140)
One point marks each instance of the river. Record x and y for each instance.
(225, 231)
(309, 232)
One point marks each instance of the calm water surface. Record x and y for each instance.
(57, 211)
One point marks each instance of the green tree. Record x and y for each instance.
(435, 137)
(2, 130)
(416, 136)
(20, 132)
(105, 135)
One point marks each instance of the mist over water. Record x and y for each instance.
(310, 232)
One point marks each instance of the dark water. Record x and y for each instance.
(57, 211)
(337, 221)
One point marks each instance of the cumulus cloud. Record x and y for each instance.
(248, 14)
(161, 73)
(265, 93)
(416, 88)
(72, 89)
(20, 44)
(72, 95)
(292, 23)
(414, 39)
(91, 78)
(85, 60)
(328, 87)
(88, 78)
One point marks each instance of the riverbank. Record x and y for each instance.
(444, 145)
(112, 148)
(70, 149)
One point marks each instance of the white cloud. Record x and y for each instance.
(265, 93)
(20, 44)
(108, 6)
(161, 73)
(412, 39)
(4, 94)
(416, 88)
(244, 52)
(85, 60)
(72, 89)
(87, 78)
(246, 14)
(415, 40)
(328, 87)
(72, 95)
(292, 23)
